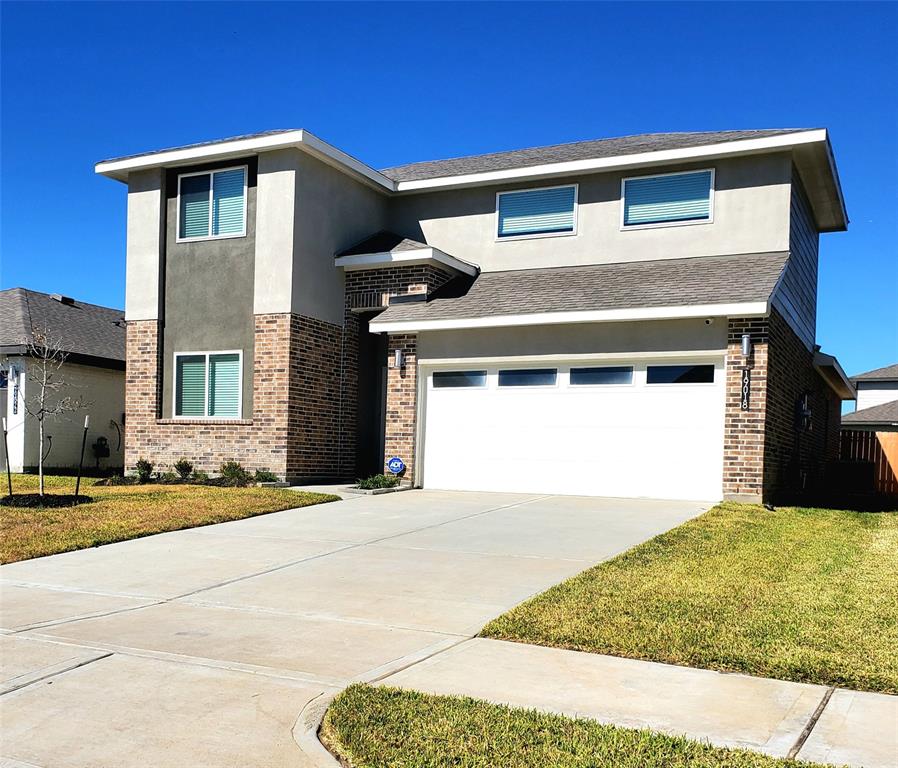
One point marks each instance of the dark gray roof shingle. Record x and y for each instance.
(884, 413)
(886, 373)
(83, 329)
(578, 150)
(383, 242)
(658, 283)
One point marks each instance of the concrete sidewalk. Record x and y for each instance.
(780, 718)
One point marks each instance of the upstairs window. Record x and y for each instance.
(537, 212)
(212, 204)
(672, 198)
(207, 385)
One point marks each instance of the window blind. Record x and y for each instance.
(194, 213)
(190, 386)
(680, 197)
(227, 202)
(536, 211)
(224, 385)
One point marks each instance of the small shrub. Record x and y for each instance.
(233, 473)
(117, 480)
(184, 468)
(264, 476)
(144, 470)
(168, 477)
(378, 481)
(198, 476)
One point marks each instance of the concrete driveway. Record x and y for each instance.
(201, 647)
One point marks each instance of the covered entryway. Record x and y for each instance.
(645, 428)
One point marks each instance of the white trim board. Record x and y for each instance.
(405, 259)
(744, 309)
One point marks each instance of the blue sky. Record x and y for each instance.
(395, 83)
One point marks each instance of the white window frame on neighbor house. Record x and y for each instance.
(210, 174)
(624, 227)
(207, 355)
(536, 235)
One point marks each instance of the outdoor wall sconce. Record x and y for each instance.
(397, 358)
(746, 346)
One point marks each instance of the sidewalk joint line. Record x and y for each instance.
(55, 673)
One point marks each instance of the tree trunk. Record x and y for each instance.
(40, 455)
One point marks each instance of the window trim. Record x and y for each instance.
(680, 384)
(624, 227)
(511, 238)
(206, 416)
(571, 385)
(210, 174)
(484, 371)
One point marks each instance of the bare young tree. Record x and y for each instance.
(50, 399)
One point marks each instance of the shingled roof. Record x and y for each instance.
(578, 150)
(886, 373)
(628, 285)
(85, 330)
(884, 413)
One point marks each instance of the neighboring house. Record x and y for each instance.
(93, 341)
(565, 319)
(876, 407)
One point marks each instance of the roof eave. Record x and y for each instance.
(630, 314)
(831, 371)
(405, 258)
(299, 139)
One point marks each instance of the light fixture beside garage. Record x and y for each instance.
(746, 346)
(397, 358)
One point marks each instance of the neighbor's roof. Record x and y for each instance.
(884, 413)
(692, 282)
(887, 373)
(83, 329)
(577, 150)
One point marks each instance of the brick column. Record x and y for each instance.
(143, 387)
(744, 431)
(402, 402)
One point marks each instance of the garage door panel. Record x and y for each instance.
(660, 441)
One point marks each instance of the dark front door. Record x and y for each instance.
(371, 406)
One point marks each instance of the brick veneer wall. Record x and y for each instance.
(294, 428)
(743, 443)
(796, 451)
(768, 454)
(402, 402)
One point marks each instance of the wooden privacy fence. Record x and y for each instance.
(878, 448)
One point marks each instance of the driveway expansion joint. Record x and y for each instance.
(812, 721)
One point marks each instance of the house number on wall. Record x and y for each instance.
(746, 387)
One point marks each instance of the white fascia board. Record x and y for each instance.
(403, 259)
(574, 167)
(745, 309)
(301, 139)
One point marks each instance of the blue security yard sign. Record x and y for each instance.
(395, 465)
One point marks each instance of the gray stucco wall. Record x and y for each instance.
(208, 300)
(332, 213)
(577, 339)
(751, 215)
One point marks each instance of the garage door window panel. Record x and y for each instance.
(609, 375)
(459, 379)
(528, 377)
(680, 374)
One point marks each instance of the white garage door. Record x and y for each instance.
(647, 428)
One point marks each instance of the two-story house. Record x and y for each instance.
(623, 317)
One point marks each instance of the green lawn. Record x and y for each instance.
(798, 594)
(377, 727)
(122, 512)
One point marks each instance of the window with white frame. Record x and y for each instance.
(670, 198)
(537, 212)
(208, 385)
(212, 204)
